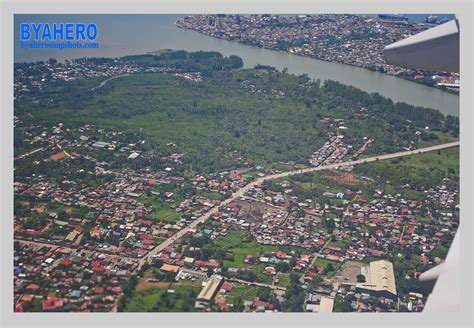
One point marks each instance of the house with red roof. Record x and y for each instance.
(52, 303)
(65, 262)
(223, 184)
(32, 287)
(152, 182)
(234, 175)
(57, 156)
(227, 287)
(280, 255)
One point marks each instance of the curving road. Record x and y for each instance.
(109, 79)
(252, 184)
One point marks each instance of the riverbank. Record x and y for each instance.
(146, 33)
(407, 78)
(355, 40)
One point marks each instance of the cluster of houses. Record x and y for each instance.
(119, 223)
(175, 261)
(34, 76)
(369, 226)
(80, 261)
(195, 77)
(250, 86)
(120, 216)
(73, 279)
(331, 152)
(216, 289)
(275, 227)
(85, 139)
(334, 150)
(222, 182)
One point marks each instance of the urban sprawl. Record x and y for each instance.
(84, 243)
(104, 224)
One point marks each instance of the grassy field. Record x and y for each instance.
(144, 301)
(210, 195)
(424, 220)
(161, 209)
(339, 243)
(261, 276)
(442, 138)
(283, 279)
(167, 215)
(440, 251)
(233, 243)
(324, 263)
(420, 170)
(159, 300)
(319, 228)
(446, 158)
(245, 293)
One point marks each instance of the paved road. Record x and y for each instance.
(31, 152)
(320, 251)
(41, 244)
(254, 283)
(241, 192)
(45, 244)
(109, 79)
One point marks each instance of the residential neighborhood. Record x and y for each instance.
(84, 238)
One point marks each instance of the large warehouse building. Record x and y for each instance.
(206, 295)
(380, 281)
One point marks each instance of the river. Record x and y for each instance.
(121, 35)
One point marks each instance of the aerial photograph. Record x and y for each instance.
(234, 162)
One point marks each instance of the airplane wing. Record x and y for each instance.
(435, 49)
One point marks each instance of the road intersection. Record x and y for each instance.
(241, 192)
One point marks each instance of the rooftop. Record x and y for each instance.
(381, 277)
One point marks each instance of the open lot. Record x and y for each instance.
(147, 284)
(233, 242)
(245, 293)
(252, 211)
(283, 279)
(339, 243)
(345, 178)
(324, 263)
(349, 271)
(175, 297)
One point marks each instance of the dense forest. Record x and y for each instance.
(260, 115)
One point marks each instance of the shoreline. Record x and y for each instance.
(321, 59)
